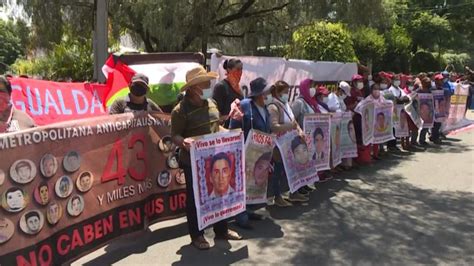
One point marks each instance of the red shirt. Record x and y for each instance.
(352, 101)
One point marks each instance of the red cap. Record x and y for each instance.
(357, 77)
(322, 91)
(439, 77)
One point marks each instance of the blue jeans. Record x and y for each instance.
(277, 177)
(242, 218)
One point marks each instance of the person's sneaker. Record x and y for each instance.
(281, 202)
(297, 197)
(271, 201)
(394, 149)
(303, 191)
(310, 188)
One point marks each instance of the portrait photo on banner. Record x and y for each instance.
(426, 109)
(316, 129)
(217, 162)
(348, 137)
(440, 106)
(299, 164)
(401, 126)
(258, 157)
(336, 119)
(383, 129)
(366, 109)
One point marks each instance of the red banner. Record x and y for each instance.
(50, 102)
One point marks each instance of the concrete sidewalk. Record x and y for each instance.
(407, 209)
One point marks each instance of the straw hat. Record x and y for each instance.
(198, 75)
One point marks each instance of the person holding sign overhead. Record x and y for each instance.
(196, 115)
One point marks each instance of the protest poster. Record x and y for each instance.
(413, 109)
(258, 156)
(426, 109)
(401, 123)
(71, 187)
(440, 106)
(299, 165)
(457, 109)
(218, 166)
(348, 137)
(382, 124)
(316, 128)
(336, 119)
(51, 102)
(366, 109)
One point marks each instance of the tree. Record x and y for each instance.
(429, 31)
(369, 45)
(11, 44)
(398, 46)
(322, 41)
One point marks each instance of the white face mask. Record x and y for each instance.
(369, 77)
(284, 98)
(268, 100)
(360, 85)
(312, 92)
(383, 86)
(433, 84)
(325, 100)
(396, 83)
(206, 94)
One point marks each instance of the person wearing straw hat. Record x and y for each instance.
(196, 115)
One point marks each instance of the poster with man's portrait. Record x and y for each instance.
(401, 126)
(383, 128)
(366, 109)
(426, 109)
(299, 163)
(316, 128)
(413, 109)
(440, 106)
(336, 129)
(348, 137)
(218, 166)
(258, 156)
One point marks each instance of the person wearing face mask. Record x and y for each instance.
(336, 99)
(136, 100)
(11, 119)
(255, 116)
(282, 120)
(322, 99)
(398, 96)
(196, 115)
(227, 92)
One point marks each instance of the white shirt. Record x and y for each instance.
(396, 91)
(335, 103)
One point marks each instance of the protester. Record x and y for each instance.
(11, 119)
(282, 120)
(336, 98)
(305, 104)
(398, 96)
(227, 92)
(376, 97)
(196, 115)
(255, 116)
(425, 88)
(136, 100)
(435, 131)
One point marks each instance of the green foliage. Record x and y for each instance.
(424, 62)
(369, 46)
(70, 59)
(10, 46)
(458, 61)
(322, 41)
(430, 30)
(398, 54)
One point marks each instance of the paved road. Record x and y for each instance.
(407, 209)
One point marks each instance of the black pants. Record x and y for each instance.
(435, 131)
(392, 143)
(220, 228)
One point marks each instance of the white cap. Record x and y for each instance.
(345, 87)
